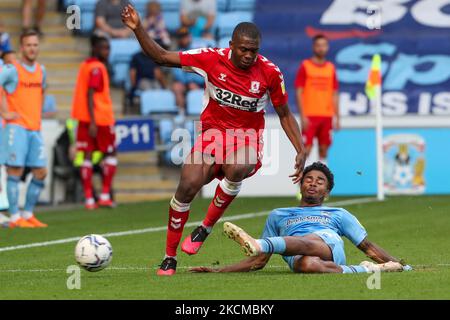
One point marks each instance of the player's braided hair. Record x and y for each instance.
(246, 29)
(319, 166)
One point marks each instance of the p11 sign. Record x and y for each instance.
(135, 135)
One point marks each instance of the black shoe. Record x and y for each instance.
(168, 267)
(193, 243)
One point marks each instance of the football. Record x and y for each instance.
(93, 252)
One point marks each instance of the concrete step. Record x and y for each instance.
(138, 158)
(145, 185)
(15, 4)
(121, 197)
(123, 170)
(14, 19)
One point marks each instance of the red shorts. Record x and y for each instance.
(320, 127)
(221, 145)
(104, 142)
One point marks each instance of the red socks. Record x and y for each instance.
(226, 191)
(109, 170)
(86, 178)
(178, 215)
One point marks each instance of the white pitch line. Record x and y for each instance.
(116, 269)
(163, 228)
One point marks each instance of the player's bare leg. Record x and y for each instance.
(196, 172)
(237, 167)
(34, 190)
(311, 264)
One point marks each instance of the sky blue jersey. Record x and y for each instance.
(300, 221)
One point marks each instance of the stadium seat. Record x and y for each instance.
(194, 102)
(241, 5)
(122, 50)
(165, 130)
(87, 22)
(158, 102)
(222, 5)
(227, 21)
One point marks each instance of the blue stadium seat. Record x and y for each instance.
(227, 21)
(158, 102)
(194, 102)
(165, 130)
(49, 103)
(120, 73)
(85, 5)
(123, 49)
(241, 5)
(222, 5)
(87, 22)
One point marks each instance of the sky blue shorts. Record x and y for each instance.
(23, 148)
(333, 240)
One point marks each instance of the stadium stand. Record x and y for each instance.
(194, 102)
(122, 50)
(158, 101)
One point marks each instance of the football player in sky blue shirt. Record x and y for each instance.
(309, 236)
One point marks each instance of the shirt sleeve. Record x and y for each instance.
(44, 77)
(300, 79)
(277, 90)
(352, 229)
(8, 77)
(100, 9)
(198, 60)
(270, 229)
(96, 80)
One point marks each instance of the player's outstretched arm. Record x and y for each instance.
(249, 264)
(375, 252)
(290, 126)
(158, 54)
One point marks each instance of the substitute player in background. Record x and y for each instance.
(239, 83)
(309, 236)
(317, 98)
(93, 108)
(24, 83)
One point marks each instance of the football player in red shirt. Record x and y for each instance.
(238, 84)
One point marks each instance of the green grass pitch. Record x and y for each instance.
(414, 228)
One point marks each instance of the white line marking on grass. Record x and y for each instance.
(119, 269)
(163, 228)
